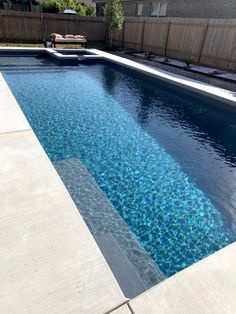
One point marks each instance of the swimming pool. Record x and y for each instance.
(164, 159)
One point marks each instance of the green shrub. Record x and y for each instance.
(90, 10)
(75, 6)
(55, 6)
(51, 6)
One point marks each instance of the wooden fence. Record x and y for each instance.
(34, 27)
(207, 41)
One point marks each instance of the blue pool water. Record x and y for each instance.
(165, 160)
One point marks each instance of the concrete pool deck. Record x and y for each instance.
(208, 286)
(50, 262)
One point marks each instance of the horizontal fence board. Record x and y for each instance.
(185, 40)
(94, 31)
(133, 33)
(154, 36)
(219, 49)
(22, 28)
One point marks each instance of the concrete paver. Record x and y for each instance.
(208, 286)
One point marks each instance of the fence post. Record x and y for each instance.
(202, 42)
(105, 34)
(78, 25)
(142, 35)
(42, 26)
(123, 35)
(2, 27)
(167, 38)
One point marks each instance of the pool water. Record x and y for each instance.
(165, 160)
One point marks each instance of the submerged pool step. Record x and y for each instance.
(107, 226)
(124, 272)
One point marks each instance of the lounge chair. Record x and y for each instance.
(68, 39)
